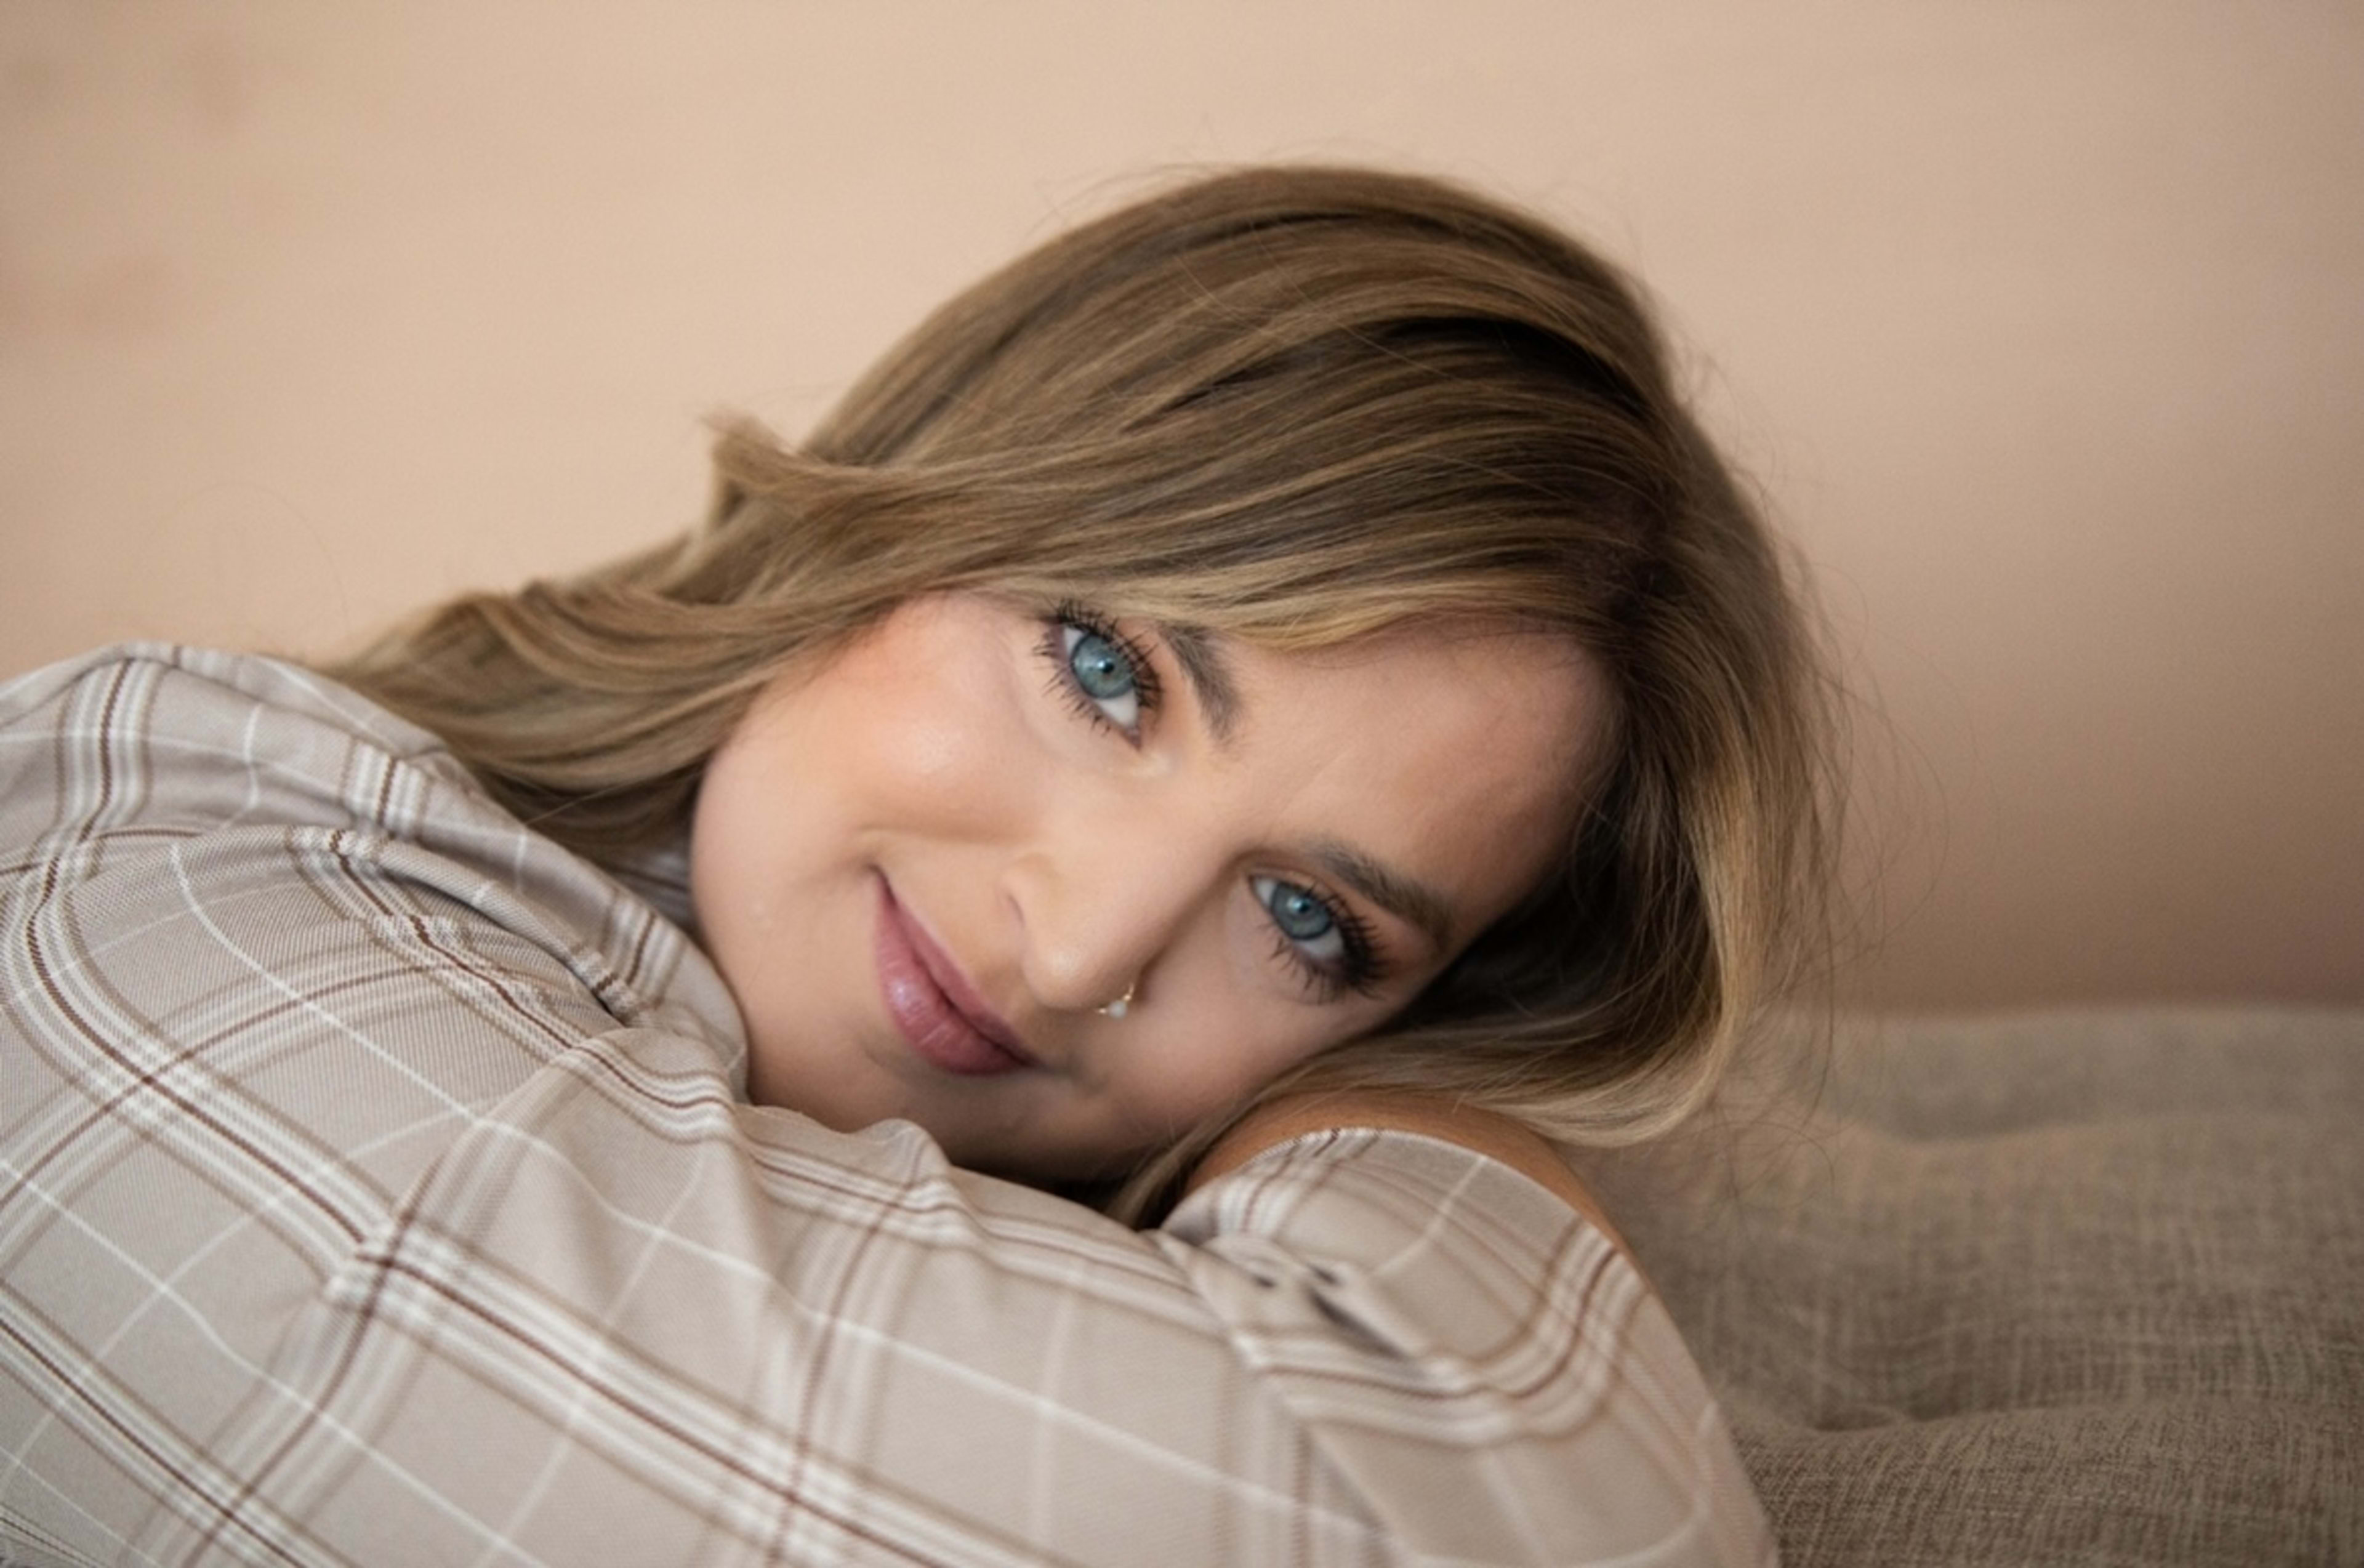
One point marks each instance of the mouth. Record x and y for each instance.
(937, 1011)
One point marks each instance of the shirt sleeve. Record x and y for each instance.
(374, 1197)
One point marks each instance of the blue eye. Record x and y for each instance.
(1308, 921)
(1100, 667)
(1324, 941)
(1107, 678)
(1300, 915)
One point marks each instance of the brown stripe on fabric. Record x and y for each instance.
(490, 979)
(578, 1374)
(1569, 1340)
(636, 965)
(337, 851)
(800, 1441)
(46, 1541)
(703, 1094)
(927, 1199)
(314, 1407)
(110, 1110)
(1303, 1151)
(493, 981)
(1535, 1322)
(1563, 1354)
(77, 1388)
(380, 809)
(1555, 1257)
(110, 836)
(150, 1080)
(117, 678)
(1303, 1463)
(1419, 1197)
(61, 768)
(976, 1532)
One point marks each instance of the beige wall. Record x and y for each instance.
(2042, 324)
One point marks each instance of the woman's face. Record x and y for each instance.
(928, 864)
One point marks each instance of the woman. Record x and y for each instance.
(1269, 696)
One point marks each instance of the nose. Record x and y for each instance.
(1098, 903)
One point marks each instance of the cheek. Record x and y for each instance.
(922, 742)
(1221, 1042)
(934, 754)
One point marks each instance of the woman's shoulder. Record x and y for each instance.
(166, 688)
(238, 774)
(127, 750)
(165, 731)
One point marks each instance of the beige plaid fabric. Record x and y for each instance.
(377, 1186)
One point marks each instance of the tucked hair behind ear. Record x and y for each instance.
(1295, 406)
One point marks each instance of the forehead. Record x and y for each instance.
(1459, 755)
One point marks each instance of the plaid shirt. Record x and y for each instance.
(381, 1187)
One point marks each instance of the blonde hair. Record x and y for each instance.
(1292, 406)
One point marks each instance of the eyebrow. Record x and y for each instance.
(1210, 674)
(1402, 896)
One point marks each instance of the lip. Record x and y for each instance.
(935, 1007)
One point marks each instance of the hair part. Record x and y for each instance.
(1295, 407)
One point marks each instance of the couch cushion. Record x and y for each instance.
(2076, 1287)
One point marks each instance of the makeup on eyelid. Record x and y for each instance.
(924, 866)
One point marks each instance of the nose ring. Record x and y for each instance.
(1123, 1003)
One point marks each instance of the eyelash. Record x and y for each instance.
(1359, 967)
(1145, 689)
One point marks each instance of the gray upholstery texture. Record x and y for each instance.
(2076, 1287)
